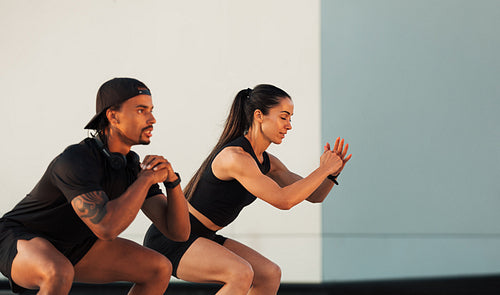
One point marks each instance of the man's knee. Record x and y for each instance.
(160, 268)
(60, 273)
(39, 265)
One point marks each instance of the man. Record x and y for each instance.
(67, 228)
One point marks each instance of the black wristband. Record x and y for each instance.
(333, 178)
(173, 183)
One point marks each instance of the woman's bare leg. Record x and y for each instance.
(267, 275)
(208, 262)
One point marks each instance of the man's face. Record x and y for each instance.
(133, 122)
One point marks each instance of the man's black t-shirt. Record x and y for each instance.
(79, 169)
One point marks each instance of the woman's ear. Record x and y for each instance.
(258, 116)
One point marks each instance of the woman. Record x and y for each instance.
(236, 172)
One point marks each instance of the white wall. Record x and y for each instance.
(195, 56)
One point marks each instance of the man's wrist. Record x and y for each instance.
(172, 184)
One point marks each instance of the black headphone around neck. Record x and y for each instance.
(117, 161)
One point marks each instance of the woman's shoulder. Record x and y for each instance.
(233, 154)
(232, 161)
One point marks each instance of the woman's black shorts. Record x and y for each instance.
(174, 251)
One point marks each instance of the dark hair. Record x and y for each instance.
(103, 121)
(263, 97)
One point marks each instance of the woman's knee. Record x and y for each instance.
(274, 272)
(268, 274)
(242, 274)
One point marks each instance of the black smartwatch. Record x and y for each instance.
(173, 183)
(333, 178)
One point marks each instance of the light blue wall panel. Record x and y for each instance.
(350, 258)
(414, 86)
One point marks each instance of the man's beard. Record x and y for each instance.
(130, 141)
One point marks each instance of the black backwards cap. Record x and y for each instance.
(115, 92)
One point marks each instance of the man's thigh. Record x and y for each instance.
(119, 260)
(34, 258)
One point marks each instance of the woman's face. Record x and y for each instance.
(277, 122)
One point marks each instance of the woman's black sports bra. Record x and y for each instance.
(219, 200)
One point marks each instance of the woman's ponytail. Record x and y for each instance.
(263, 97)
(235, 126)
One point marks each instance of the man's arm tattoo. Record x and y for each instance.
(91, 205)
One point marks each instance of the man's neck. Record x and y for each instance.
(114, 143)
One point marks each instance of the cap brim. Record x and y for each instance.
(92, 124)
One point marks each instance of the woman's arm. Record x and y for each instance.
(234, 163)
(285, 177)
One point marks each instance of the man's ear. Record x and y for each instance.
(112, 116)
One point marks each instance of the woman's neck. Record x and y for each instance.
(258, 141)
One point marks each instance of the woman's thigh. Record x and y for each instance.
(206, 261)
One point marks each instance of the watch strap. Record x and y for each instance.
(172, 184)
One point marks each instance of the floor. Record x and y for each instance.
(479, 285)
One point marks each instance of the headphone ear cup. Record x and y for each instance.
(117, 161)
(133, 161)
(133, 158)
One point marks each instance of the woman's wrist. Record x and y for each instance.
(333, 178)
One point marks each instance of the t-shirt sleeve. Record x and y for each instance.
(154, 190)
(76, 172)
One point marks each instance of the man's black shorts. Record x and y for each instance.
(11, 232)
